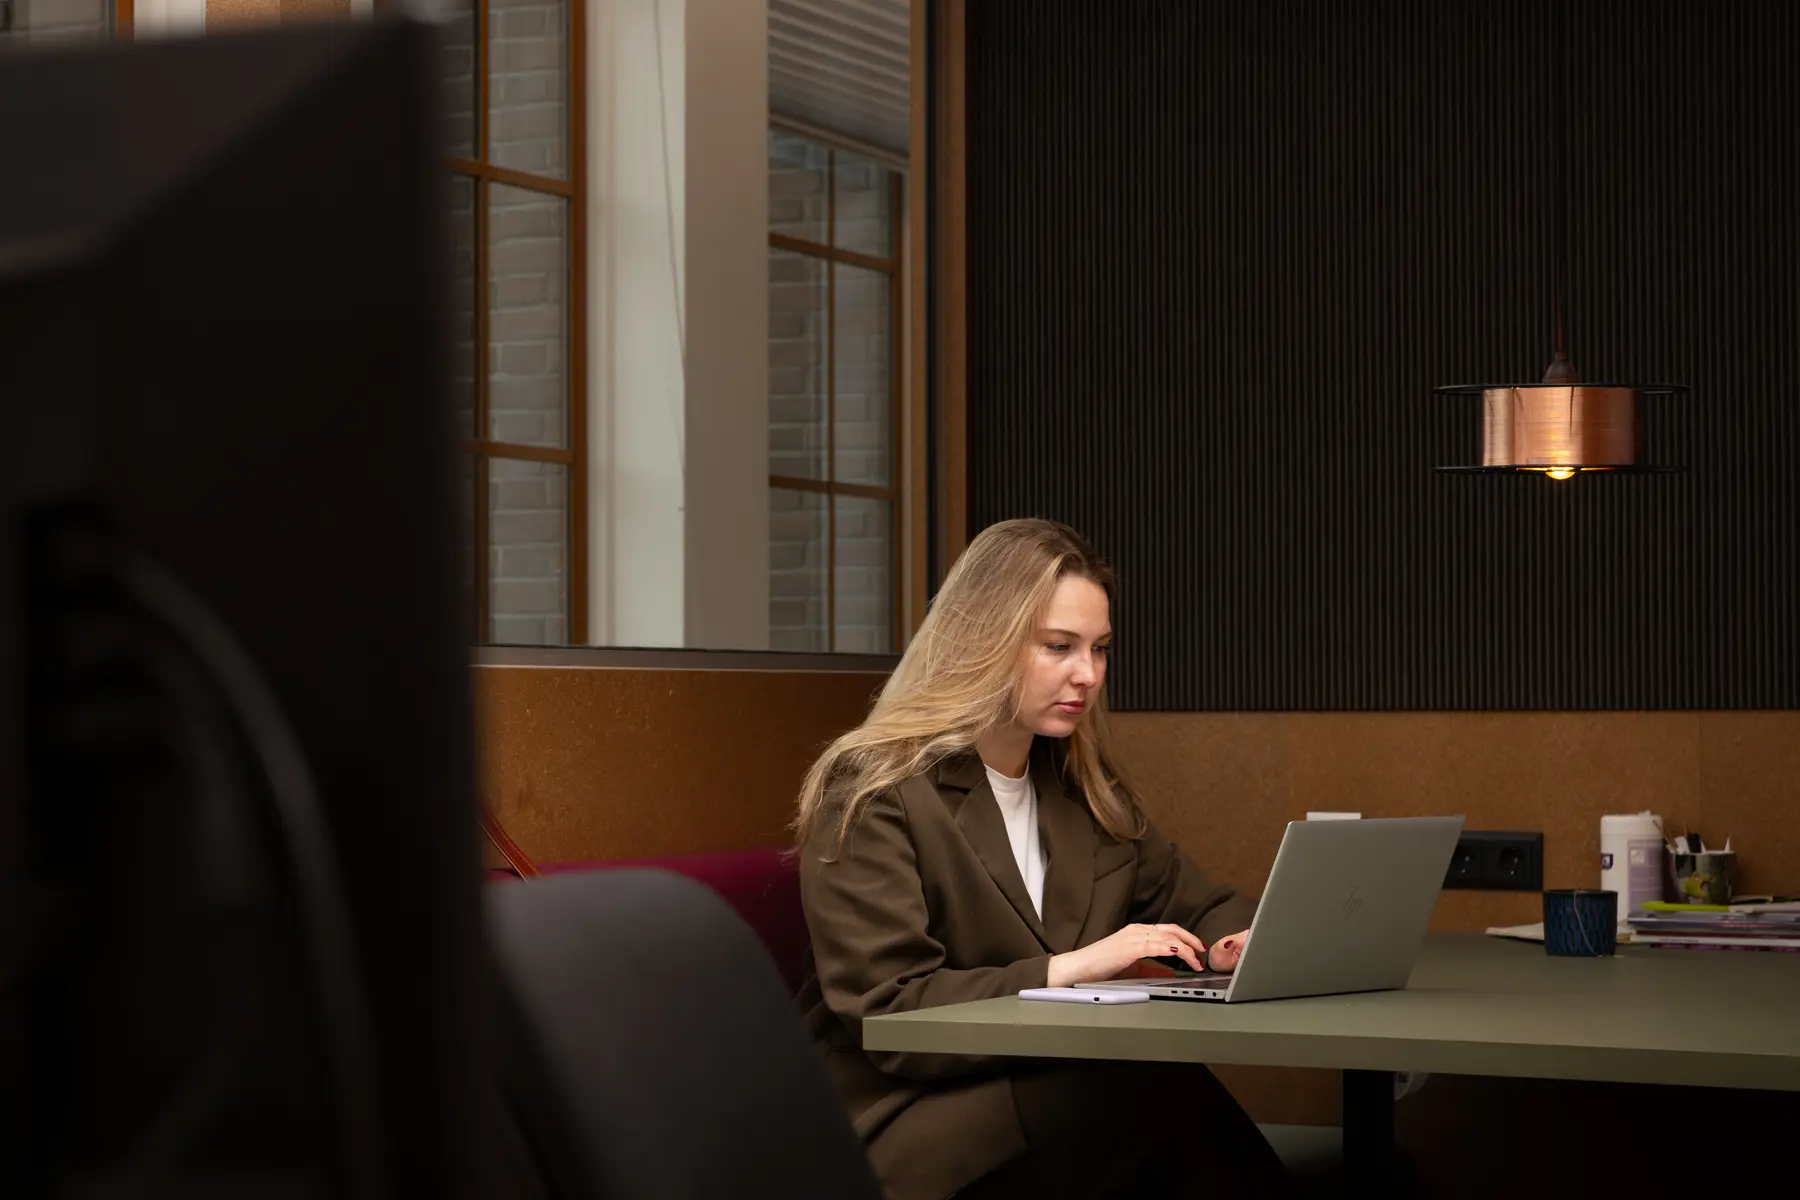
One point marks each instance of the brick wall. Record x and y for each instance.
(528, 264)
(528, 70)
(462, 303)
(465, 512)
(805, 363)
(862, 206)
(528, 316)
(528, 269)
(455, 20)
(864, 448)
(797, 598)
(528, 321)
(48, 22)
(528, 552)
(864, 575)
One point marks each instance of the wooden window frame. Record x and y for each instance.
(831, 487)
(937, 353)
(482, 448)
(938, 382)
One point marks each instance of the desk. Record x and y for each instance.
(1476, 1006)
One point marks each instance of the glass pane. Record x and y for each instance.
(455, 20)
(462, 303)
(797, 177)
(528, 86)
(798, 549)
(466, 499)
(861, 195)
(797, 343)
(52, 22)
(528, 552)
(528, 271)
(862, 375)
(863, 574)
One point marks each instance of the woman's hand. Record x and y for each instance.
(1227, 951)
(1109, 957)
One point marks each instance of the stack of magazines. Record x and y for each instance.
(1769, 926)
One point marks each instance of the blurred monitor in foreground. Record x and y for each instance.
(239, 916)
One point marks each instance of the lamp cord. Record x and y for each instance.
(1561, 370)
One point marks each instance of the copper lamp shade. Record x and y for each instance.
(1561, 429)
(1561, 425)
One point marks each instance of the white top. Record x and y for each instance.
(1018, 806)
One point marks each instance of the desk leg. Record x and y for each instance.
(1369, 1134)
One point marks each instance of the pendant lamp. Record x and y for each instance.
(1561, 425)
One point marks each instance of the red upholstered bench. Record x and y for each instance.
(762, 885)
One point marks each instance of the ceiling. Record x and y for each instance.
(843, 65)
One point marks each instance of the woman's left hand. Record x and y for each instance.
(1226, 952)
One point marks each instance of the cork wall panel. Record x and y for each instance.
(594, 763)
(1224, 785)
(226, 14)
(306, 10)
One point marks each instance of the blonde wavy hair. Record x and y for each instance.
(962, 676)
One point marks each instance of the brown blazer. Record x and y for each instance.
(926, 906)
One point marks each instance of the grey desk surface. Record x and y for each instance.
(1476, 1006)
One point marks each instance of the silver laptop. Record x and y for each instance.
(1345, 911)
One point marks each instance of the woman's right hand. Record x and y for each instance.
(1109, 957)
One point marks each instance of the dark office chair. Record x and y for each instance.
(654, 1050)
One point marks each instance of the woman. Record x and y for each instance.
(971, 839)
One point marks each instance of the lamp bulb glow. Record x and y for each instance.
(1560, 472)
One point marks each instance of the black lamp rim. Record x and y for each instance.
(1611, 468)
(1476, 389)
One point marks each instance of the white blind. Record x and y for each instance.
(842, 65)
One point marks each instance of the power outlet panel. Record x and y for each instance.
(1497, 861)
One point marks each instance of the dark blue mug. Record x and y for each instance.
(1581, 922)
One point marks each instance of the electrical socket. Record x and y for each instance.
(1492, 860)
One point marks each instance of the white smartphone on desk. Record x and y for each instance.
(1076, 995)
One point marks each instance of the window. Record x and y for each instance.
(513, 79)
(54, 22)
(834, 382)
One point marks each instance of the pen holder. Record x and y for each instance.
(1706, 877)
(1581, 923)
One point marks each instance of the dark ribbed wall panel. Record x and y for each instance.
(1220, 255)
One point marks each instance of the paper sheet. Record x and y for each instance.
(1534, 932)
